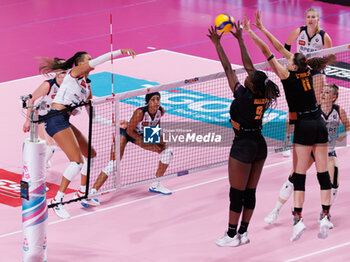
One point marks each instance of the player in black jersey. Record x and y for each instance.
(310, 132)
(249, 150)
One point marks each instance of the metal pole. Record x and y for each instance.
(33, 193)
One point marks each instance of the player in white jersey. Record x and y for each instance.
(132, 131)
(75, 89)
(46, 91)
(334, 116)
(309, 37)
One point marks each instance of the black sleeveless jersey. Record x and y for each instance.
(300, 95)
(247, 109)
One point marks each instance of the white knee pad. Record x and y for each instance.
(111, 166)
(84, 168)
(85, 165)
(334, 193)
(166, 155)
(72, 170)
(286, 190)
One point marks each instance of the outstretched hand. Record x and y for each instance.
(246, 23)
(214, 36)
(238, 33)
(258, 24)
(128, 52)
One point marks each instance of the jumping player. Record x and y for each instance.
(249, 149)
(309, 38)
(334, 115)
(310, 133)
(74, 90)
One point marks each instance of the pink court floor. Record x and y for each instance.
(133, 224)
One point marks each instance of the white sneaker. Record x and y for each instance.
(298, 230)
(325, 225)
(90, 202)
(226, 241)
(157, 187)
(286, 153)
(329, 219)
(60, 210)
(78, 194)
(244, 238)
(272, 217)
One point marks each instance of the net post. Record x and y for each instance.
(33, 193)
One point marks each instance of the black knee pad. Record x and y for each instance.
(299, 182)
(236, 200)
(249, 198)
(324, 180)
(335, 178)
(290, 178)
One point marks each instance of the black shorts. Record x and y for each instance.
(128, 138)
(310, 131)
(57, 122)
(249, 149)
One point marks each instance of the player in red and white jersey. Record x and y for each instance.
(75, 89)
(132, 131)
(46, 92)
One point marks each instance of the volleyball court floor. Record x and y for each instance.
(135, 225)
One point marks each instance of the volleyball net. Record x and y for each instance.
(196, 123)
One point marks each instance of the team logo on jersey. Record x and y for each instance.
(317, 40)
(83, 83)
(301, 42)
(151, 134)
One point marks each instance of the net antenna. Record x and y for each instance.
(115, 114)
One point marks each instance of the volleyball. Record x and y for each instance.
(224, 23)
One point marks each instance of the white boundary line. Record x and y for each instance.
(124, 58)
(317, 252)
(140, 199)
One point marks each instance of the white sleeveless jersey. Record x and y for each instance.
(147, 119)
(46, 101)
(73, 91)
(306, 45)
(333, 122)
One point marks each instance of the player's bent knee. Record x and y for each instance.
(249, 198)
(72, 170)
(299, 182)
(166, 155)
(236, 200)
(111, 166)
(324, 180)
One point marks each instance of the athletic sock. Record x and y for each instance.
(278, 206)
(243, 228)
(232, 230)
